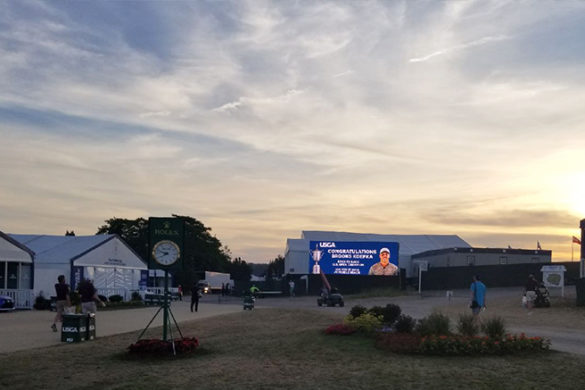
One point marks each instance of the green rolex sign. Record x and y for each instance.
(165, 243)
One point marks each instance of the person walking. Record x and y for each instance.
(89, 297)
(478, 293)
(291, 288)
(63, 300)
(195, 297)
(530, 291)
(180, 292)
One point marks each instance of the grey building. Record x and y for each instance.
(467, 256)
(296, 256)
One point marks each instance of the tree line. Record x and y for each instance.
(201, 250)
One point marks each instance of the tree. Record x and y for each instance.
(69, 233)
(201, 250)
(275, 268)
(133, 231)
(240, 270)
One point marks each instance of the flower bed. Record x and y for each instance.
(341, 329)
(461, 345)
(156, 347)
(399, 342)
(458, 345)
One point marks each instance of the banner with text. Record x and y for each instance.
(353, 258)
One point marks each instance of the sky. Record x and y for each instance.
(265, 118)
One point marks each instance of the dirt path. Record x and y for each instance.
(21, 330)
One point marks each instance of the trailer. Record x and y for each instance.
(217, 280)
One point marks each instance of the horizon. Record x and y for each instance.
(262, 120)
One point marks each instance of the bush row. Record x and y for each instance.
(432, 335)
(456, 345)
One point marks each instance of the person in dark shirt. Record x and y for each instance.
(530, 291)
(89, 297)
(195, 297)
(63, 300)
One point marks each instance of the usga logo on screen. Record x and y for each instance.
(327, 245)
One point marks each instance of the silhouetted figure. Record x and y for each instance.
(195, 294)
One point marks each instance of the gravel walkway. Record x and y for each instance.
(21, 330)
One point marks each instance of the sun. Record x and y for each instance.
(575, 186)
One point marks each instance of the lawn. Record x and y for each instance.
(277, 349)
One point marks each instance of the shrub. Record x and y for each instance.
(467, 326)
(116, 298)
(41, 303)
(404, 324)
(435, 324)
(391, 313)
(366, 323)
(357, 311)
(378, 311)
(341, 329)
(399, 342)
(136, 296)
(494, 328)
(459, 345)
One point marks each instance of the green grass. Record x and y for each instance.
(277, 349)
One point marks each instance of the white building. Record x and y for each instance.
(296, 258)
(106, 259)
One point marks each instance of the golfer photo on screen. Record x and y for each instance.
(384, 266)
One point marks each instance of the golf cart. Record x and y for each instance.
(330, 298)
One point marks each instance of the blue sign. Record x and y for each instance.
(353, 258)
(76, 276)
(143, 279)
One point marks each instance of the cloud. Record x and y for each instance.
(464, 46)
(542, 219)
(289, 116)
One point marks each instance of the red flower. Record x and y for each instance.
(163, 347)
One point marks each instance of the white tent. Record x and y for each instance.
(106, 259)
(16, 271)
(297, 250)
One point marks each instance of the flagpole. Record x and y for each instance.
(572, 246)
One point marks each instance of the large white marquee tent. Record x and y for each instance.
(106, 259)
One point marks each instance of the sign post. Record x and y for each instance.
(166, 237)
(554, 276)
(422, 266)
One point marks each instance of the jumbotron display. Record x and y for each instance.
(353, 258)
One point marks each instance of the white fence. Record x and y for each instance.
(127, 294)
(161, 290)
(23, 299)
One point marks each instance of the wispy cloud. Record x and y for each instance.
(464, 46)
(282, 116)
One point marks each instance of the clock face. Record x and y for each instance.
(166, 252)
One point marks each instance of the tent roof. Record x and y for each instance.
(14, 250)
(60, 249)
(410, 244)
(297, 244)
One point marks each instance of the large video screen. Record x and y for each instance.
(353, 258)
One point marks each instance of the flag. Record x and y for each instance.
(576, 240)
(538, 245)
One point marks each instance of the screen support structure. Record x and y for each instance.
(166, 309)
